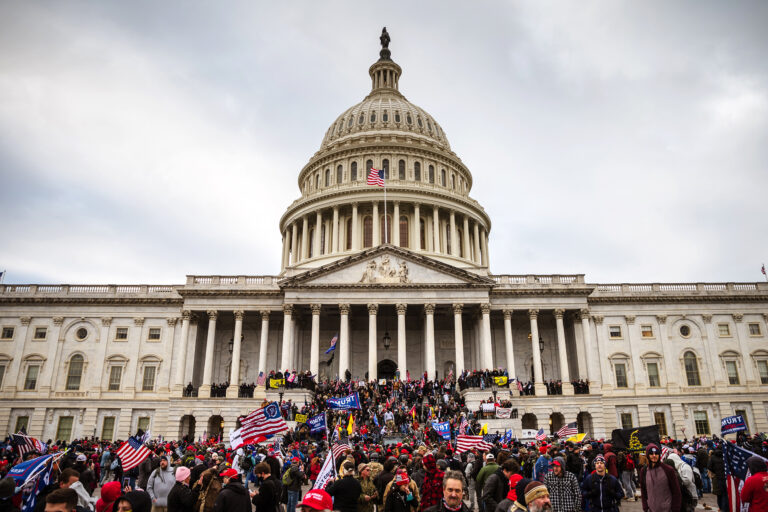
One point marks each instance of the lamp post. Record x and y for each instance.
(387, 340)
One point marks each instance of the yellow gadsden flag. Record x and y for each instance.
(484, 430)
(501, 381)
(351, 426)
(276, 383)
(577, 438)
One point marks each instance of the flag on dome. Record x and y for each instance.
(568, 430)
(376, 177)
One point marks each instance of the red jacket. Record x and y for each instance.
(754, 492)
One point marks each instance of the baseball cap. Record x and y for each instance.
(317, 499)
(401, 478)
(490, 456)
(229, 473)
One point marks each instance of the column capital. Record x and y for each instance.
(707, 319)
(396, 203)
(533, 314)
(193, 318)
(416, 205)
(598, 319)
(507, 313)
(316, 308)
(186, 314)
(239, 314)
(172, 321)
(355, 204)
(344, 309)
(212, 314)
(287, 309)
(58, 320)
(336, 208)
(25, 320)
(559, 313)
(373, 309)
(264, 314)
(630, 319)
(737, 317)
(401, 308)
(139, 321)
(662, 319)
(485, 308)
(458, 308)
(429, 308)
(584, 313)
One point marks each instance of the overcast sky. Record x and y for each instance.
(142, 141)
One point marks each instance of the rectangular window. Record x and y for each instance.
(30, 382)
(701, 422)
(646, 331)
(724, 330)
(64, 430)
(154, 334)
(754, 330)
(743, 414)
(121, 334)
(653, 375)
(22, 422)
(621, 375)
(143, 423)
(762, 368)
(115, 376)
(661, 420)
(7, 333)
(626, 420)
(148, 383)
(108, 428)
(614, 331)
(41, 333)
(733, 374)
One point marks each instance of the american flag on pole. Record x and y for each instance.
(736, 472)
(568, 430)
(376, 177)
(466, 442)
(132, 453)
(464, 425)
(540, 435)
(339, 449)
(263, 422)
(24, 444)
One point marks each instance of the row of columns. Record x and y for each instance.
(476, 252)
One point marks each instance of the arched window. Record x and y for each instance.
(353, 172)
(385, 167)
(75, 372)
(361, 118)
(373, 117)
(368, 231)
(349, 123)
(349, 234)
(408, 118)
(401, 170)
(431, 174)
(397, 116)
(443, 182)
(403, 231)
(322, 238)
(327, 177)
(417, 171)
(309, 241)
(691, 369)
(339, 174)
(317, 182)
(385, 116)
(422, 234)
(368, 167)
(453, 181)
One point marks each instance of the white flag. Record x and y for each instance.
(235, 439)
(327, 472)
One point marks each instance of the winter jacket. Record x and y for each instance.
(159, 485)
(484, 473)
(610, 461)
(369, 489)
(495, 489)
(297, 478)
(399, 501)
(674, 487)
(564, 491)
(602, 493)
(440, 507)
(346, 493)
(181, 498)
(268, 497)
(84, 500)
(686, 473)
(233, 498)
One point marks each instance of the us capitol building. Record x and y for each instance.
(406, 284)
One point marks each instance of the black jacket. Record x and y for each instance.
(495, 489)
(233, 498)
(346, 492)
(440, 508)
(180, 499)
(268, 498)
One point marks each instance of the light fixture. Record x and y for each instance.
(230, 345)
(387, 340)
(541, 344)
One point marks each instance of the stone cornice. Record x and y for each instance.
(539, 291)
(93, 301)
(678, 299)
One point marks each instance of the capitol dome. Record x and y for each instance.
(427, 203)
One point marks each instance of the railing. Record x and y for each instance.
(81, 289)
(236, 281)
(537, 279)
(703, 288)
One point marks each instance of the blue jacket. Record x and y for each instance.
(602, 494)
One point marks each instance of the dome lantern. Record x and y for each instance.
(385, 73)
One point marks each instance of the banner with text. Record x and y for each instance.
(732, 424)
(348, 402)
(317, 423)
(504, 412)
(300, 418)
(444, 429)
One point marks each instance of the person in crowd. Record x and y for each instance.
(496, 486)
(486, 471)
(685, 472)
(659, 487)
(601, 491)
(181, 497)
(564, 491)
(266, 497)
(233, 496)
(159, 485)
(401, 497)
(537, 497)
(316, 500)
(716, 470)
(110, 491)
(207, 489)
(369, 493)
(454, 488)
(293, 479)
(432, 490)
(347, 490)
(133, 501)
(7, 490)
(755, 490)
(61, 500)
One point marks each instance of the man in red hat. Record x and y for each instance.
(233, 496)
(316, 500)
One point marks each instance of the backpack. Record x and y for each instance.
(686, 500)
(287, 478)
(697, 479)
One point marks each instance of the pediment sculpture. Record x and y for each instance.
(385, 272)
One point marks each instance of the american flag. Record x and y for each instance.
(263, 422)
(334, 340)
(736, 472)
(24, 444)
(665, 451)
(262, 379)
(376, 177)
(465, 443)
(540, 435)
(339, 449)
(571, 429)
(464, 425)
(132, 453)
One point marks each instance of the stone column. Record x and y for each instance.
(416, 231)
(401, 349)
(635, 379)
(264, 342)
(316, 238)
(377, 238)
(335, 232)
(396, 224)
(436, 230)
(284, 260)
(538, 374)
(670, 362)
(234, 372)
(509, 343)
(746, 359)
(476, 233)
(355, 235)
(454, 237)
(314, 351)
(484, 248)
(285, 358)
(305, 238)
(458, 337)
(181, 361)
(717, 371)
(565, 374)
(205, 389)
(429, 310)
(487, 345)
(372, 352)
(592, 355)
(343, 340)
(465, 239)
(294, 242)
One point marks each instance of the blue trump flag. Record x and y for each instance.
(33, 475)
(348, 402)
(317, 423)
(444, 429)
(732, 424)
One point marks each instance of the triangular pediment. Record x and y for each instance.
(387, 266)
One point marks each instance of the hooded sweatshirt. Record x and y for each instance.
(754, 490)
(109, 493)
(659, 486)
(686, 473)
(159, 485)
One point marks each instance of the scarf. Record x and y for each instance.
(448, 507)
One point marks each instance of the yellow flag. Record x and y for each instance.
(501, 381)
(484, 430)
(276, 383)
(300, 418)
(577, 438)
(351, 426)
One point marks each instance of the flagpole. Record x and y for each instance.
(386, 231)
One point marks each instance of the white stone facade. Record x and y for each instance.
(82, 360)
